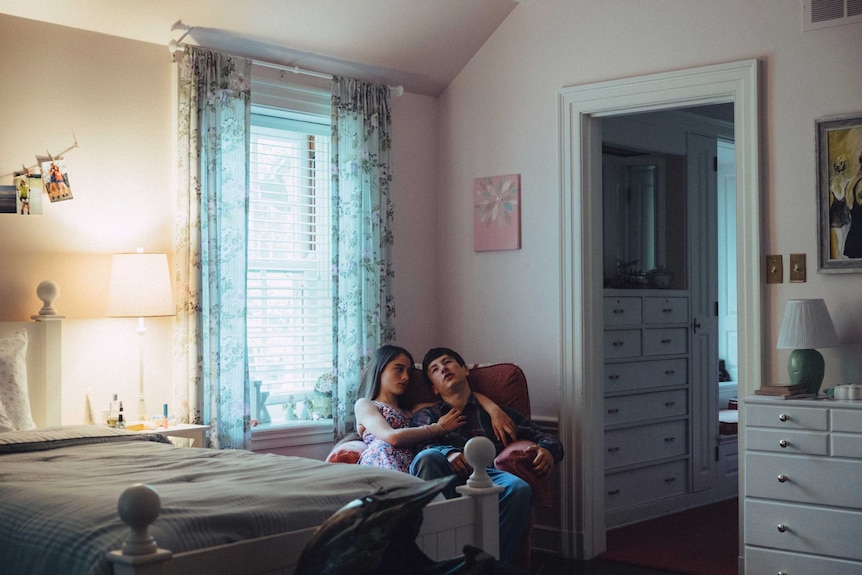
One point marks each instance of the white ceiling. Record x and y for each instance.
(420, 44)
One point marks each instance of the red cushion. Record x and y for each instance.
(346, 452)
(517, 461)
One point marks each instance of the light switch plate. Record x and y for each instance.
(774, 269)
(797, 267)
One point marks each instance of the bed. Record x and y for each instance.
(62, 486)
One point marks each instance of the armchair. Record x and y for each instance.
(506, 385)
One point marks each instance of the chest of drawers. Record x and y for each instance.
(802, 496)
(646, 388)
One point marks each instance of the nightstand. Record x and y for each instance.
(196, 433)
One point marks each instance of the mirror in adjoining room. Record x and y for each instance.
(644, 219)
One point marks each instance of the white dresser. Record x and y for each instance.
(803, 487)
(646, 381)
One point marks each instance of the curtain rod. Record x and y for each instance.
(175, 46)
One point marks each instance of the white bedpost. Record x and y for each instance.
(139, 505)
(479, 453)
(50, 395)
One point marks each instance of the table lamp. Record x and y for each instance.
(806, 325)
(140, 287)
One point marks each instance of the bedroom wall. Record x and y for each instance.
(500, 116)
(114, 96)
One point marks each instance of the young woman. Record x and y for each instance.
(384, 422)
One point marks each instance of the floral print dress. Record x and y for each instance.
(381, 454)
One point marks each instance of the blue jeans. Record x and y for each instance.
(516, 499)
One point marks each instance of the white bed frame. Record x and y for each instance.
(446, 527)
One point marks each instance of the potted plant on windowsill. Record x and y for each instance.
(322, 398)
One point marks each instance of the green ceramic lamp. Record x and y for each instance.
(806, 326)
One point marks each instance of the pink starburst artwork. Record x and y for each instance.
(497, 213)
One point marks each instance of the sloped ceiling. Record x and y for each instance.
(420, 44)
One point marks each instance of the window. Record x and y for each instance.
(290, 313)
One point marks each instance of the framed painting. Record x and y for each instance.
(839, 193)
(497, 213)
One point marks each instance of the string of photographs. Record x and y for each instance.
(30, 185)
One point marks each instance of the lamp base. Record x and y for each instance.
(806, 367)
(142, 409)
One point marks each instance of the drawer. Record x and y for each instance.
(846, 445)
(819, 480)
(620, 343)
(644, 406)
(645, 374)
(786, 417)
(786, 441)
(663, 310)
(770, 561)
(622, 311)
(847, 420)
(667, 341)
(638, 486)
(804, 529)
(645, 443)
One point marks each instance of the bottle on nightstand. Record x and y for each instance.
(121, 423)
(113, 412)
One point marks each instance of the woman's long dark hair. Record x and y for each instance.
(379, 360)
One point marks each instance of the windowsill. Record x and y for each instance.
(291, 434)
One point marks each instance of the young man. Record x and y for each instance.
(442, 456)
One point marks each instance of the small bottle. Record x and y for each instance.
(121, 424)
(113, 412)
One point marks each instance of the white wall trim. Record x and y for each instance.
(583, 529)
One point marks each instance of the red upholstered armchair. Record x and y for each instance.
(506, 385)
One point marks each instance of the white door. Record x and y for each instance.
(703, 262)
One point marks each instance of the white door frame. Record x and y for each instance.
(581, 423)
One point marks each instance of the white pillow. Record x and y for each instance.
(13, 381)
(5, 422)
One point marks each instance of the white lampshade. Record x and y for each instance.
(806, 325)
(140, 286)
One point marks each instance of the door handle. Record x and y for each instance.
(695, 325)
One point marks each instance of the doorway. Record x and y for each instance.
(581, 108)
(666, 223)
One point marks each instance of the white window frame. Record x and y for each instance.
(300, 107)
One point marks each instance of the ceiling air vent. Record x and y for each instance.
(823, 13)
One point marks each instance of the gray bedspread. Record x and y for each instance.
(59, 491)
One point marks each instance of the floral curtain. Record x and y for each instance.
(211, 364)
(362, 237)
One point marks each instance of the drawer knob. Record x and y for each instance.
(669, 403)
(782, 528)
(670, 372)
(614, 492)
(666, 341)
(617, 343)
(613, 449)
(670, 439)
(613, 410)
(613, 377)
(782, 573)
(783, 443)
(619, 311)
(667, 310)
(782, 478)
(783, 417)
(670, 479)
